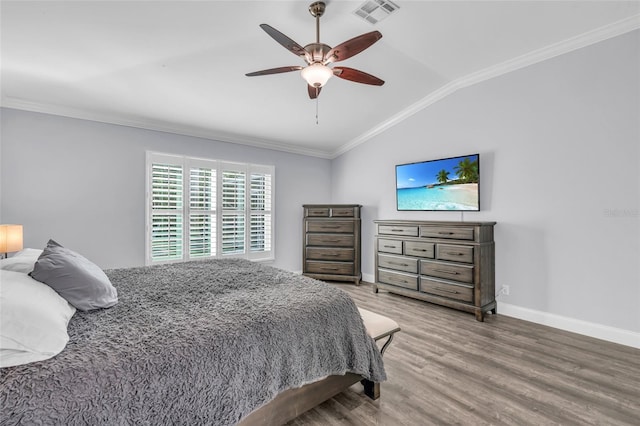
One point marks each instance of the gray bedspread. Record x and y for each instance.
(195, 343)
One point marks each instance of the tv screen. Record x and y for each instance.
(448, 184)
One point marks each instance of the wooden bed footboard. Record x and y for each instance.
(291, 403)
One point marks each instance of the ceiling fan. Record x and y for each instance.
(318, 56)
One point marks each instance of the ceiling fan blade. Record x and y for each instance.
(357, 76)
(285, 41)
(352, 47)
(274, 71)
(314, 92)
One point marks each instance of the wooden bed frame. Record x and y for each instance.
(291, 403)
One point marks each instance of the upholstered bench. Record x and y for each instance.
(382, 329)
(378, 326)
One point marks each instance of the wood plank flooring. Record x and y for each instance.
(444, 368)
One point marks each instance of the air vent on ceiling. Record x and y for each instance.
(374, 11)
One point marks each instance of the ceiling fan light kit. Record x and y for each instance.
(316, 74)
(318, 56)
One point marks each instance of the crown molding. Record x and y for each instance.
(21, 104)
(583, 40)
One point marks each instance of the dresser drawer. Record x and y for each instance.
(407, 231)
(317, 212)
(330, 240)
(342, 212)
(446, 289)
(330, 253)
(398, 263)
(337, 226)
(456, 233)
(390, 246)
(452, 271)
(419, 249)
(398, 278)
(454, 252)
(338, 268)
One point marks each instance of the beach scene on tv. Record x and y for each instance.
(447, 184)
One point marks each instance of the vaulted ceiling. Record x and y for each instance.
(180, 66)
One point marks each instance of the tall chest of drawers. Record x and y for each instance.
(448, 263)
(331, 242)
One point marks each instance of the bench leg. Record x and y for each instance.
(386, 344)
(371, 389)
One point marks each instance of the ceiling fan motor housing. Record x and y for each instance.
(316, 52)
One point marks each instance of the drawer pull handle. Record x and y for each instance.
(331, 241)
(446, 272)
(329, 227)
(455, 253)
(389, 246)
(446, 290)
(397, 230)
(399, 264)
(445, 233)
(330, 255)
(329, 269)
(417, 249)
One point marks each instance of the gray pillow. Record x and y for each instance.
(75, 278)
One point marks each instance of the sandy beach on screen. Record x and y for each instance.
(467, 193)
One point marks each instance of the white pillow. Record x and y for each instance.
(33, 320)
(22, 261)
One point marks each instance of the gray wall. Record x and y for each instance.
(559, 159)
(559, 145)
(82, 183)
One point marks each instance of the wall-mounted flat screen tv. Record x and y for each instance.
(448, 184)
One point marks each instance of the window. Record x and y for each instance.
(207, 208)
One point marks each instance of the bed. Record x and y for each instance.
(205, 342)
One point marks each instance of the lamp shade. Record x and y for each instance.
(317, 74)
(10, 238)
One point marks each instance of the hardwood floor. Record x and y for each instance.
(444, 367)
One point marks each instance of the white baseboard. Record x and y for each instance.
(370, 278)
(599, 331)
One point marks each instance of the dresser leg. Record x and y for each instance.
(375, 289)
(479, 316)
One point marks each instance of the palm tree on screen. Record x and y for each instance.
(442, 176)
(467, 170)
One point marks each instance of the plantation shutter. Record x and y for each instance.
(166, 210)
(233, 224)
(198, 208)
(202, 211)
(260, 212)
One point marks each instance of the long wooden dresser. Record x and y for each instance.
(331, 244)
(448, 263)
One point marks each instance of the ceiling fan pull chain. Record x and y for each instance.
(317, 101)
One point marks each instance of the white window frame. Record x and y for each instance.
(220, 166)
